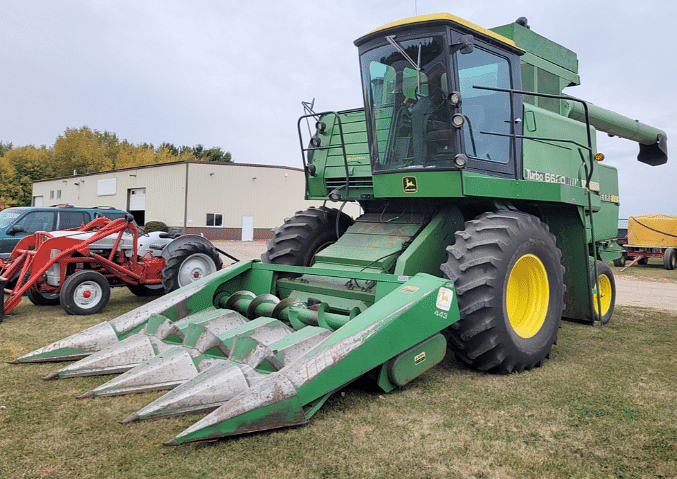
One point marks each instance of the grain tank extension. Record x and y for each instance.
(487, 219)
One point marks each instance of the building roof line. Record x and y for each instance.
(158, 165)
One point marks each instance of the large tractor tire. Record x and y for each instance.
(302, 236)
(509, 279)
(189, 263)
(607, 286)
(670, 258)
(85, 292)
(40, 299)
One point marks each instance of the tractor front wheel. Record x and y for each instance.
(509, 279)
(187, 264)
(85, 292)
(40, 299)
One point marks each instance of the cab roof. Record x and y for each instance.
(441, 18)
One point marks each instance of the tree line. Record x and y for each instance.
(83, 150)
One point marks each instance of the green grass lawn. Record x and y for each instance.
(604, 405)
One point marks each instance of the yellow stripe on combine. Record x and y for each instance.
(449, 17)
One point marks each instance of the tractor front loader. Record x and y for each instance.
(76, 268)
(488, 218)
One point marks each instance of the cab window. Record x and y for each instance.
(486, 111)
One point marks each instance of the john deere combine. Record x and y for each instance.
(487, 219)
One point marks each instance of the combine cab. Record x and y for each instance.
(487, 219)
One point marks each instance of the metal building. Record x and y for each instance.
(220, 200)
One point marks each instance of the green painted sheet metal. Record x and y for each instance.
(427, 184)
(428, 250)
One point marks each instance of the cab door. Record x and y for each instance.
(491, 116)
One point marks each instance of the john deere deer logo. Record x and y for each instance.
(409, 184)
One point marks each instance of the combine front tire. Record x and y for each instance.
(302, 236)
(607, 286)
(508, 276)
(187, 264)
(85, 292)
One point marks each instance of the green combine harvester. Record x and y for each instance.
(487, 219)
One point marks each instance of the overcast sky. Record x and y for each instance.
(233, 73)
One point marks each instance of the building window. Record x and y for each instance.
(51, 194)
(58, 194)
(214, 219)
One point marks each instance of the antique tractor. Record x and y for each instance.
(77, 268)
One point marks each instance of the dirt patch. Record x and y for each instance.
(652, 294)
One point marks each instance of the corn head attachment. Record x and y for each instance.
(230, 345)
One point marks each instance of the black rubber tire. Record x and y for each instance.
(207, 261)
(302, 236)
(39, 299)
(670, 258)
(620, 262)
(644, 260)
(143, 290)
(72, 295)
(481, 263)
(608, 287)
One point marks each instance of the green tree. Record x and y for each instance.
(4, 147)
(19, 169)
(212, 154)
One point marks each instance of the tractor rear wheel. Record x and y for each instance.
(509, 281)
(302, 236)
(188, 263)
(85, 292)
(670, 258)
(40, 299)
(607, 286)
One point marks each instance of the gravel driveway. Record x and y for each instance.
(629, 292)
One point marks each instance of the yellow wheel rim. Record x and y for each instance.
(527, 296)
(605, 289)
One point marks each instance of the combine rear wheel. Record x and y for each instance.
(40, 299)
(188, 263)
(607, 286)
(508, 276)
(85, 292)
(670, 258)
(302, 236)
